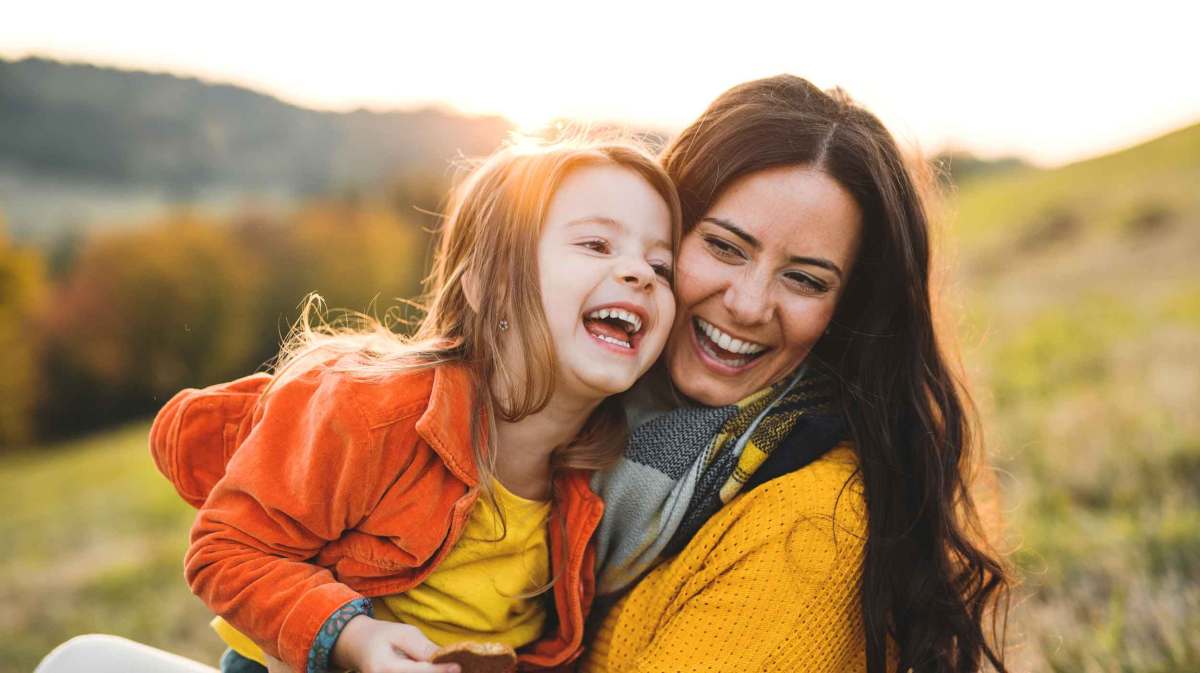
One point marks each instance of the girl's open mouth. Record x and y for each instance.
(726, 350)
(619, 327)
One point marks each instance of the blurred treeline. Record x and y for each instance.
(161, 231)
(136, 315)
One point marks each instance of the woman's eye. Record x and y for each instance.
(807, 282)
(596, 245)
(723, 248)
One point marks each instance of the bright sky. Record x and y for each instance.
(1050, 80)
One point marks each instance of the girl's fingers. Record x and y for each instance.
(412, 643)
(424, 667)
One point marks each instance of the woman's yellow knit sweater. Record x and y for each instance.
(770, 583)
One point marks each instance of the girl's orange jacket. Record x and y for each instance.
(341, 489)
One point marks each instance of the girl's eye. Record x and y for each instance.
(662, 269)
(808, 283)
(596, 245)
(722, 248)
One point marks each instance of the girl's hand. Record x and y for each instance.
(373, 646)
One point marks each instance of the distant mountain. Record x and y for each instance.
(107, 138)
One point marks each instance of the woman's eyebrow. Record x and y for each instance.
(735, 230)
(817, 261)
(757, 245)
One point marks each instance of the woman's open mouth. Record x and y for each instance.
(616, 326)
(723, 348)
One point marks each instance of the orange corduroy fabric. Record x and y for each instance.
(770, 583)
(343, 488)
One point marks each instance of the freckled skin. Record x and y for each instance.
(759, 293)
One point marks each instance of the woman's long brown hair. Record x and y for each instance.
(930, 584)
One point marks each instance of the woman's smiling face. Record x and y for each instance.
(757, 281)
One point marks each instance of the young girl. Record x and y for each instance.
(440, 481)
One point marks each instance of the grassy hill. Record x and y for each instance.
(1125, 190)
(94, 541)
(1078, 297)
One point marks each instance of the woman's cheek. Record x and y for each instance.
(807, 321)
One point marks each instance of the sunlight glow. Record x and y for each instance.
(1028, 80)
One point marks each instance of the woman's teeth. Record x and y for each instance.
(728, 343)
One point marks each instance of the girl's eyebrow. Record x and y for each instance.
(595, 219)
(757, 245)
(615, 224)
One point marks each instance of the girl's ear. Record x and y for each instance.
(471, 290)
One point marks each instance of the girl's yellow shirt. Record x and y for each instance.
(479, 591)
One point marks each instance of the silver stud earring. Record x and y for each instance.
(503, 325)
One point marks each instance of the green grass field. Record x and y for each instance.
(1077, 292)
(94, 540)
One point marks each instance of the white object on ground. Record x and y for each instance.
(98, 653)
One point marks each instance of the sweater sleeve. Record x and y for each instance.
(295, 484)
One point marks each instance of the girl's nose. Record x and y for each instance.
(636, 273)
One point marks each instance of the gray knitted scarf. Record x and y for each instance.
(682, 464)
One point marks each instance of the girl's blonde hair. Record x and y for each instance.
(489, 239)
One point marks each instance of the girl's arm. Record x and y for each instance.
(309, 470)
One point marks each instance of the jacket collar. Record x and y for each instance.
(446, 423)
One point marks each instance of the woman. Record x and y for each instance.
(805, 260)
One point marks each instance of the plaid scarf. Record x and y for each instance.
(681, 465)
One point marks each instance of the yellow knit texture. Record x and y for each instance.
(770, 583)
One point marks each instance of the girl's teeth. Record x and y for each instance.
(615, 342)
(629, 318)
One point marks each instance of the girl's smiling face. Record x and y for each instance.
(758, 281)
(605, 263)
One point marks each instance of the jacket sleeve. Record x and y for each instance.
(307, 471)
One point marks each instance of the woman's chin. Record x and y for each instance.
(699, 383)
(699, 386)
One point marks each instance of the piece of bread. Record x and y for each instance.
(478, 657)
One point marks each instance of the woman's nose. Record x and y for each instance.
(748, 301)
